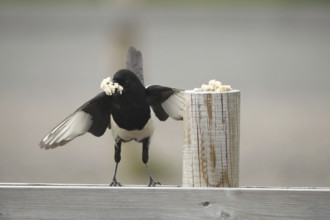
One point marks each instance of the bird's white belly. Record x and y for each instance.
(137, 135)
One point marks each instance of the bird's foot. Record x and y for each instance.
(153, 183)
(115, 183)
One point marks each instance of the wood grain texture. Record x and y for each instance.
(211, 143)
(102, 202)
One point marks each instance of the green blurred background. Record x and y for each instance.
(54, 54)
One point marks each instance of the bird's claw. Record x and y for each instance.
(115, 183)
(153, 183)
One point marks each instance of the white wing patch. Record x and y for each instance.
(174, 105)
(75, 125)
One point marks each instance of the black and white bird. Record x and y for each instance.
(128, 111)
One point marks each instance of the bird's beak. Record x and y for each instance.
(118, 88)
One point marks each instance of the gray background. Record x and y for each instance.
(53, 58)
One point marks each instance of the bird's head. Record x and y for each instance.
(128, 81)
(124, 82)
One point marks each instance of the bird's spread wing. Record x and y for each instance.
(93, 117)
(166, 101)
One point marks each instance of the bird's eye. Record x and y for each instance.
(126, 82)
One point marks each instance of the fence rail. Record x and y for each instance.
(24, 201)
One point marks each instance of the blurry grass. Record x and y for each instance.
(237, 2)
(179, 2)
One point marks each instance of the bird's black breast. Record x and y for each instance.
(131, 113)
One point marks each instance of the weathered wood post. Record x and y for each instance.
(211, 143)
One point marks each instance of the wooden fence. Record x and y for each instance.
(26, 201)
(211, 158)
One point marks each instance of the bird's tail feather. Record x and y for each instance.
(134, 62)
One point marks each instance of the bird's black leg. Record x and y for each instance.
(117, 160)
(145, 157)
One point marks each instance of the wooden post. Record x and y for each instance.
(211, 143)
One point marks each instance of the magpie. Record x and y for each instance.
(128, 110)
